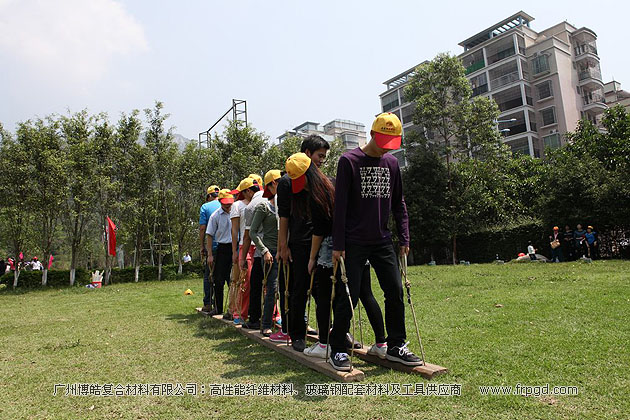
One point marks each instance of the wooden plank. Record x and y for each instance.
(427, 371)
(320, 365)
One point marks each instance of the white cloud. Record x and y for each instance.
(67, 40)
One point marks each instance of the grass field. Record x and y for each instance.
(559, 324)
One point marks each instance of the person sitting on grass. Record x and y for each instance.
(531, 251)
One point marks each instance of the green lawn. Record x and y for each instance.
(560, 324)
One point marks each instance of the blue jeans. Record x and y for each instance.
(270, 295)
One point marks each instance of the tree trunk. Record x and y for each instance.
(159, 266)
(16, 275)
(179, 257)
(137, 273)
(73, 262)
(454, 249)
(44, 276)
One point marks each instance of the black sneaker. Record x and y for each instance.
(228, 316)
(340, 361)
(213, 312)
(350, 340)
(298, 345)
(252, 325)
(311, 331)
(402, 354)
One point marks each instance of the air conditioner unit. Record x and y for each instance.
(554, 131)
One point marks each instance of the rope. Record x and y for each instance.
(308, 299)
(262, 295)
(402, 259)
(332, 297)
(344, 279)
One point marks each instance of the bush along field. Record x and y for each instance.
(560, 327)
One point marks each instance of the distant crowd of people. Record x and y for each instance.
(11, 264)
(571, 245)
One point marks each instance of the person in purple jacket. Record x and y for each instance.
(368, 189)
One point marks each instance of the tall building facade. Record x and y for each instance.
(351, 133)
(543, 82)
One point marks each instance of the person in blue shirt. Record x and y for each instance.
(591, 241)
(206, 210)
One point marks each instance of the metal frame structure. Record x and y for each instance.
(239, 114)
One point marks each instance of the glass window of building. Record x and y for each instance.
(548, 115)
(540, 64)
(544, 90)
(552, 141)
(390, 101)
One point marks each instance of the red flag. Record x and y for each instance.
(111, 237)
(21, 256)
(50, 260)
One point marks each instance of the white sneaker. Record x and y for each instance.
(380, 352)
(316, 350)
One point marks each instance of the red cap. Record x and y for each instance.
(298, 183)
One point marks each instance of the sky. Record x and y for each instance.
(292, 61)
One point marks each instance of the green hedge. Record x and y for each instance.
(61, 278)
(507, 242)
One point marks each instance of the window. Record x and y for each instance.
(407, 114)
(540, 64)
(552, 141)
(479, 84)
(390, 101)
(544, 90)
(548, 115)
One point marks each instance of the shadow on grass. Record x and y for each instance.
(248, 358)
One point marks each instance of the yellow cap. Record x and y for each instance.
(225, 196)
(188, 292)
(272, 175)
(213, 189)
(296, 166)
(387, 131)
(589, 227)
(257, 178)
(243, 185)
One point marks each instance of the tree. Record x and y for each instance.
(134, 177)
(81, 166)
(162, 147)
(241, 151)
(188, 194)
(275, 156)
(336, 150)
(15, 190)
(462, 127)
(43, 144)
(426, 195)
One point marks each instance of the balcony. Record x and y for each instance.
(583, 49)
(479, 90)
(594, 98)
(590, 73)
(504, 80)
(594, 102)
(501, 55)
(477, 65)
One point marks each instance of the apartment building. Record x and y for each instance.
(543, 82)
(616, 96)
(351, 133)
